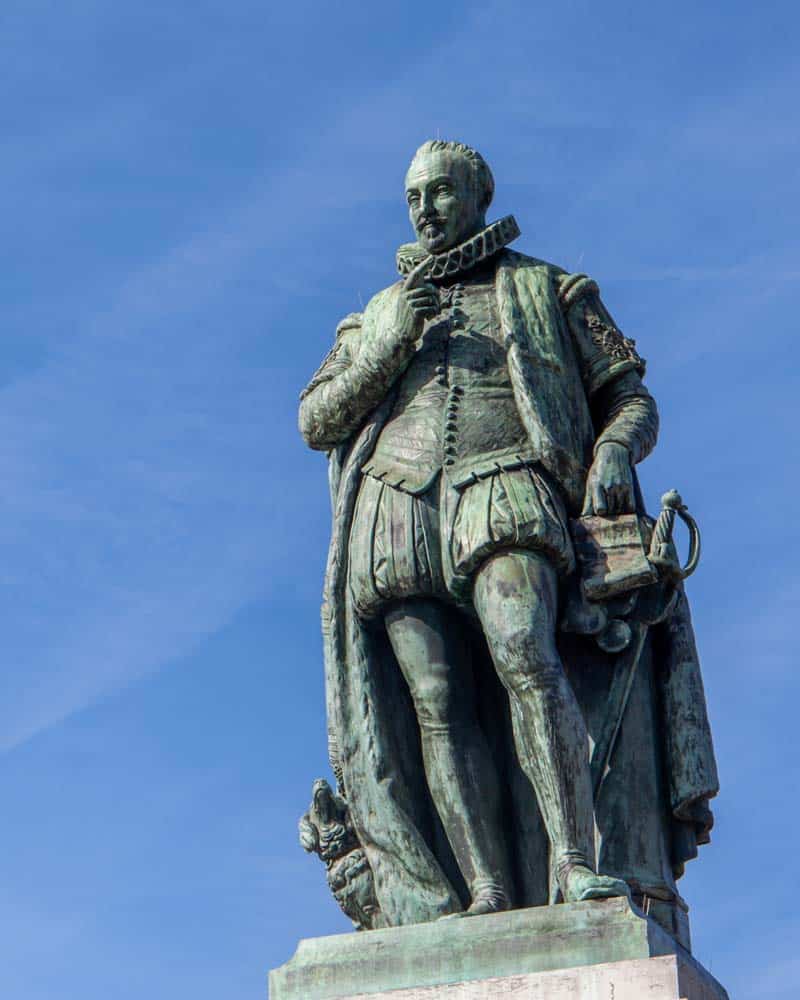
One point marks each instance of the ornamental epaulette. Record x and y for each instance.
(352, 321)
(572, 287)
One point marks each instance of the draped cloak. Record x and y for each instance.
(663, 765)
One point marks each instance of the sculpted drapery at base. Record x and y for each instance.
(500, 741)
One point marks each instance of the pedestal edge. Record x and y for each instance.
(518, 942)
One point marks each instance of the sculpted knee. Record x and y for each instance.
(436, 697)
(526, 660)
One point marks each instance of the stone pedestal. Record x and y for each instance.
(605, 950)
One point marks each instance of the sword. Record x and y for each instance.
(654, 603)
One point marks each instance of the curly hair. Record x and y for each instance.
(480, 168)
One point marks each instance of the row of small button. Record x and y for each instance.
(457, 316)
(451, 424)
(452, 301)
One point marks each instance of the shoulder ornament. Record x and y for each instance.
(326, 371)
(352, 321)
(572, 287)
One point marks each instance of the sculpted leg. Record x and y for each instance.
(515, 596)
(458, 767)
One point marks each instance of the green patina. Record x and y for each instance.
(516, 713)
(501, 945)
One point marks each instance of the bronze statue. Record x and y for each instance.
(516, 714)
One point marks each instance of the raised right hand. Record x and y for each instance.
(417, 301)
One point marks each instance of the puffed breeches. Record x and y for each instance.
(404, 546)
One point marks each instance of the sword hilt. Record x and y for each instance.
(662, 551)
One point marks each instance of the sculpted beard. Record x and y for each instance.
(432, 229)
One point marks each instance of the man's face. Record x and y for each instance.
(443, 204)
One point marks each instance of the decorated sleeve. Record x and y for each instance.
(324, 411)
(353, 379)
(604, 353)
(623, 411)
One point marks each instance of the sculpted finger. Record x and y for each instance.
(422, 300)
(587, 509)
(418, 295)
(613, 498)
(425, 310)
(599, 501)
(427, 293)
(417, 276)
(626, 504)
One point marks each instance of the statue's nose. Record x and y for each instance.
(425, 203)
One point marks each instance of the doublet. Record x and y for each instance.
(452, 477)
(455, 409)
(478, 435)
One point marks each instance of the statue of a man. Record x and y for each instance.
(477, 405)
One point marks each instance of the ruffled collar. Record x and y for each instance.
(465, 256)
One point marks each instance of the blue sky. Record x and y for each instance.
(194, 194)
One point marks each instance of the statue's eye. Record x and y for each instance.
(443, 189)
(413, 199)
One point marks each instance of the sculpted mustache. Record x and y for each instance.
(430, 220)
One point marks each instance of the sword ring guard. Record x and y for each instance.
(662, 550)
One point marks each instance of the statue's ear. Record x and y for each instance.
(309, 839)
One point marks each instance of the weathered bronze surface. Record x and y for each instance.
(516, 713)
